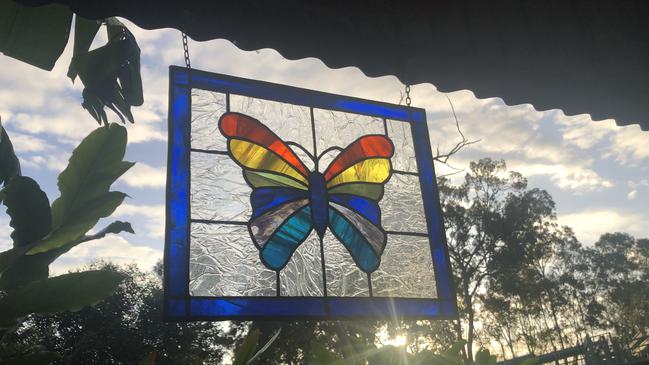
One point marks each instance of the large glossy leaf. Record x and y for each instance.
(69, 292)
(29, 210)
(27, 268)
(36, 35)
(85, 31)
(80, 221)
(111, 74)
(95, 164)
(9, 165)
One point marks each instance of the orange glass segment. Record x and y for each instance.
(234, 125)
(363, 148)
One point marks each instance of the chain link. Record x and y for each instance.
(408, 100)
(188, 63)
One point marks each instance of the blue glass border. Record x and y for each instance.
(180, 306)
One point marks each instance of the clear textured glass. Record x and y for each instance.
(344, 278)
(406, 269)
(402, 208)
(302, 276)
(291, 123)
(224, 262)
(207, 108)
(339, 129)
(218, 190)
(404, 148)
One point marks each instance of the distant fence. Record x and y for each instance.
(600, 350)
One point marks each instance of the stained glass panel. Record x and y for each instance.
(285, 202)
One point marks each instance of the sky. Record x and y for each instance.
(598, 173)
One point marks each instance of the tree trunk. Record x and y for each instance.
(470, 328)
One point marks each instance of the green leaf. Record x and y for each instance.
(27, 268)
(85, 31)
(36, 35)
(69, 292)
(24, 270)
(247, 348)
(111, 74)
(9, 164)
(94, 165)
(29, 209)
(37, 358)
(81, 221)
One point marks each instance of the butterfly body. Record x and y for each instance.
(289, 201)
(319, 202)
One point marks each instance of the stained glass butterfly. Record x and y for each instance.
(289, 201)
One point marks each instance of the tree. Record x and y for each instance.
(42, 233)
(496, 227)
(619, 264)
(126, 327)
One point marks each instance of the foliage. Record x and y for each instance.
(110, 74)
(9, 165)
(393, 355)
(42, 233)
(489, 220)
(126, 328)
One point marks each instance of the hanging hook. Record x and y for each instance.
(408, 100)
(188, 63)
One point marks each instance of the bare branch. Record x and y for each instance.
(464, 142)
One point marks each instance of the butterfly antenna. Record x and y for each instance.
(303, 150)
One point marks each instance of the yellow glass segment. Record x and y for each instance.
(373, 170)
(260, 179)
(254, 156)
(370, 191)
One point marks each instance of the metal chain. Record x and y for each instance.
(408, 100)
(188, 64)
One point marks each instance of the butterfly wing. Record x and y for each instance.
(355, 186)
(281, 218)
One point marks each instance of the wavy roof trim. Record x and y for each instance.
(580, 56)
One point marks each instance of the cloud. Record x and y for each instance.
(153, 214)
(26, 143)
(53, 162)
(144, 176)
(5, 239)
(630, 146)
(110, 248)
(565, 176)
(590, 224)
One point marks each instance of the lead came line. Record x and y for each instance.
(212, 152)
(418, 234)
(209, 221)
